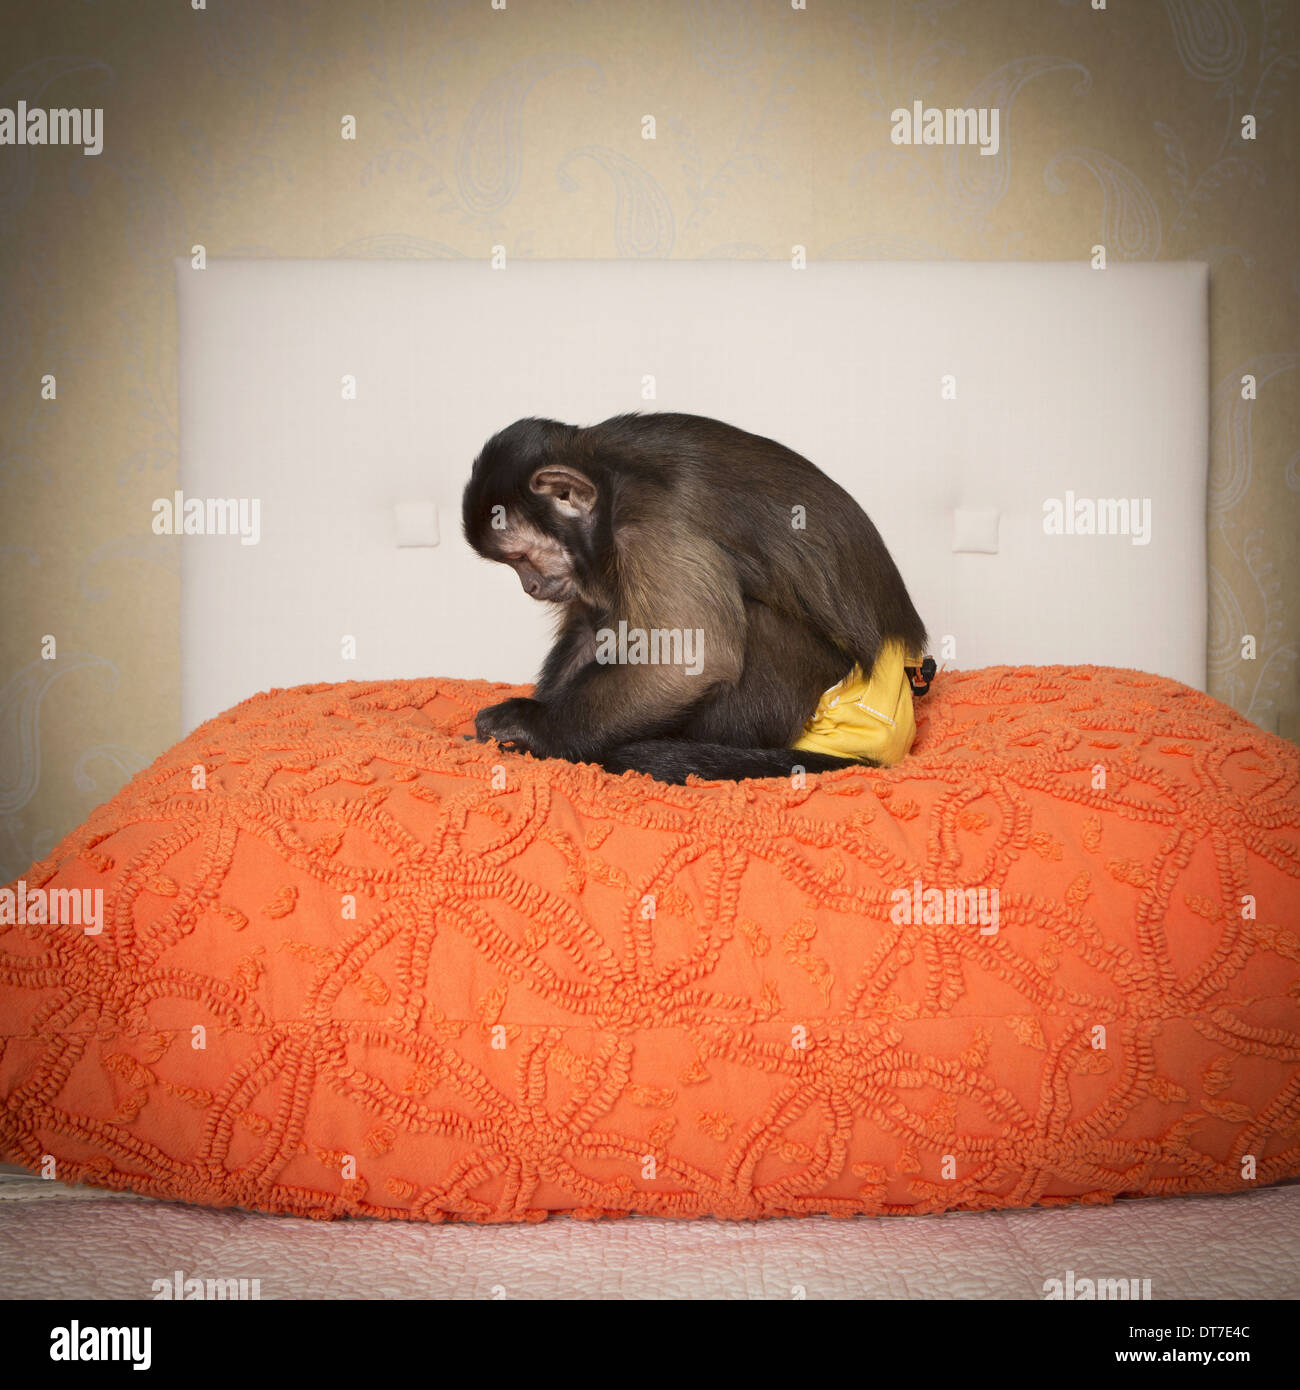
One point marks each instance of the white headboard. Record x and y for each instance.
(1067, 381)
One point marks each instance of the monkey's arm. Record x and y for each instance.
(574, 648)
(681, 585)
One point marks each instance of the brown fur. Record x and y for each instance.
(684, 523)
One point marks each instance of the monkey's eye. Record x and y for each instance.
(512, 559)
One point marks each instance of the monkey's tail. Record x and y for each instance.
(673, 759)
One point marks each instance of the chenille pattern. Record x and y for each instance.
(354, 964)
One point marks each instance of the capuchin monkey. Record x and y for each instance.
(710, 585)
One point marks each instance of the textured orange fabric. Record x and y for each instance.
(567, 991)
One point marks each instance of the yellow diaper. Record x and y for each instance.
(860, 718)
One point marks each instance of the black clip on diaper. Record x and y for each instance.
(920, 676)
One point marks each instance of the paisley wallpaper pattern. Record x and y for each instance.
(523, 126)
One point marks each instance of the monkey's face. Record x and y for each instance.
(545, 568)
(535, 514)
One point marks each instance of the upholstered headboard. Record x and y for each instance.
(957, 402)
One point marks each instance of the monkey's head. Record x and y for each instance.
(528, 505)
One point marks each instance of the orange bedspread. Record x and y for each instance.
(345, 967)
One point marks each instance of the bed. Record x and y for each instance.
(363, 390)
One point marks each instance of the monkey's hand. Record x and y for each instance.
(515, 724)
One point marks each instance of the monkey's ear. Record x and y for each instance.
(571, 492)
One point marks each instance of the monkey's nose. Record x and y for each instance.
(532, 587)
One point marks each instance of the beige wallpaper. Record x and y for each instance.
(523, 126)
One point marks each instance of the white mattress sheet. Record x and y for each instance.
(1064, 375)
(59, 1242)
